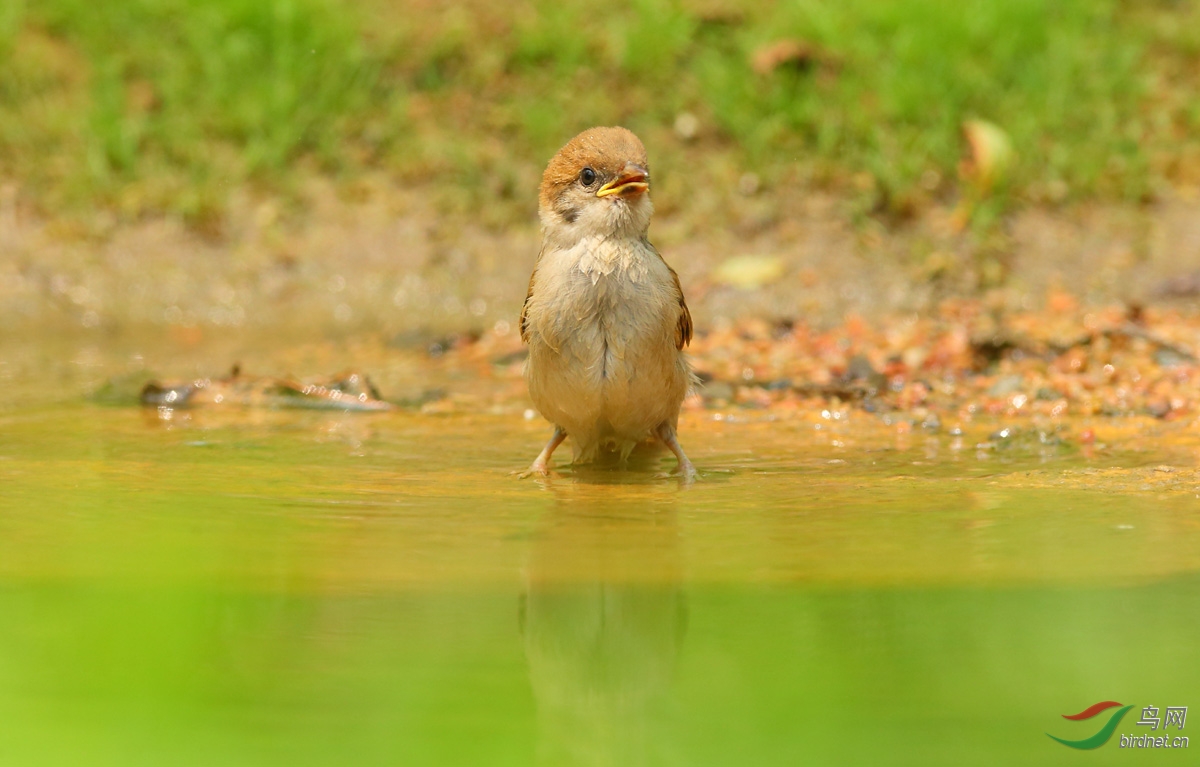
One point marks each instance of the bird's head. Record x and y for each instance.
(598, 185)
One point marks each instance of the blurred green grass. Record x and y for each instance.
(151, 106)
(164, 104)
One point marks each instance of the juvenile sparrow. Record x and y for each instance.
(604, 318)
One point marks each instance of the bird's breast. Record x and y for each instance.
(605, 298)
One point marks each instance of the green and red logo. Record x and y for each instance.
(1105, 732)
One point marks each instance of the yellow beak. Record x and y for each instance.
(632, 181)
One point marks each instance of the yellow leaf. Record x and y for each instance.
(749, 272)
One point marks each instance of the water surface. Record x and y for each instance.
(307, 588)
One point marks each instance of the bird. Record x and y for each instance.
(604, 317)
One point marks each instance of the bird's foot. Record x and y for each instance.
(541, 464)
(538, 469)
(686, 472)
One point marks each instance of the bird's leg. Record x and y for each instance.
(541, 464)
(666, 433)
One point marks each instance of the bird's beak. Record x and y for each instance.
(632, 181)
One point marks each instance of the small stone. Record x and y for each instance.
(1169, 358)
(859, 368)
(1005, 385)
(718, 390)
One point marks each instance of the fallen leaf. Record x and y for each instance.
(749, 272)
(794, 53)
(990, 153)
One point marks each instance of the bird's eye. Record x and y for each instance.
(587, 176)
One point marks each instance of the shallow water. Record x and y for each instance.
(305, 588)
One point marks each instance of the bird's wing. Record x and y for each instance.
(683, 330)
(528, 295)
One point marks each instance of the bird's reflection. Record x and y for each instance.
(603, 617)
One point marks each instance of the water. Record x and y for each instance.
(306, 588)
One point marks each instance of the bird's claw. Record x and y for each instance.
(536, 471)
(687, 474)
